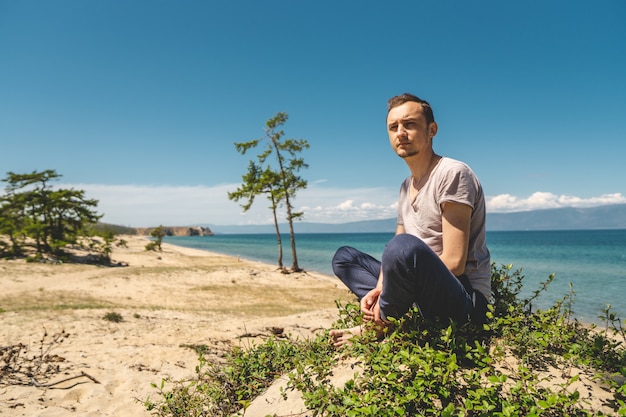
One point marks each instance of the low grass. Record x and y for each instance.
(257, 300)
(52, 300)
(164, 289)
(168, 270)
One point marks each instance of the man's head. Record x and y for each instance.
(406, 97)
(411, 126)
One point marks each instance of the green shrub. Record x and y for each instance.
(425, 368)
(158, 233)
(221, 390)
(113, 317)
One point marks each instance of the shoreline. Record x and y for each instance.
(260, 259)
(169, 302)
(589, 272)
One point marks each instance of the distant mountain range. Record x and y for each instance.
(602, 217)
(569, 218)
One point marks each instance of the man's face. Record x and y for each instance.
(409, 133)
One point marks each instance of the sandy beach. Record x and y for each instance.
(168, 302)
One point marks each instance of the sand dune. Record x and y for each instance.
(169, 300)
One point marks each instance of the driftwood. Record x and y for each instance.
(19, 366)
(278, 332)
(52, 384)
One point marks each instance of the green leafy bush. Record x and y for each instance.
(158, 233)
(221, 389)
(426, 368)
(113, 317)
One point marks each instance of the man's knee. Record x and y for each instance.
(402, 248)
(343, 255)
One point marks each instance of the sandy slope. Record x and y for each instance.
(167, 300)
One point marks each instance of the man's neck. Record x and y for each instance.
(421, 164)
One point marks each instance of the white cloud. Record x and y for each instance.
(543, 200)
(346, 205)
(138, 206)
(347, 211)
(331, 205)
(168, 205)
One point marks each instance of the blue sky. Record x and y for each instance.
(139, 102)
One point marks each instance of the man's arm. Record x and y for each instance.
(455, 227)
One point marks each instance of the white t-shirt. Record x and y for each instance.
(450, 181)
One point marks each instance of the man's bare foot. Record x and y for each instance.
(341, 337)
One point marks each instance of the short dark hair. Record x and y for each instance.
(406, 97)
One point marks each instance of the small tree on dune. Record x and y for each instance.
(158, 233)
(280, 184)
(259, 181)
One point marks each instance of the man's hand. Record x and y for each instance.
(369, 305)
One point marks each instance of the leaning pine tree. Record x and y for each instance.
(255, 182)
(279, 183)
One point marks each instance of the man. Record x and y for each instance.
(438, 259)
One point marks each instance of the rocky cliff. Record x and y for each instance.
(178, 231)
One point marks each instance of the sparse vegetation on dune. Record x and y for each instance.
(541, 363)
(128, 327)
(116, 229)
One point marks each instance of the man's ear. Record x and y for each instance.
(432, 129)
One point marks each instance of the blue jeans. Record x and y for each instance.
(414, 275)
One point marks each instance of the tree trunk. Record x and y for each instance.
(278, 240)
(295, 267)
(292, 237)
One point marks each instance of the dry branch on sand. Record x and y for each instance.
(19, 365)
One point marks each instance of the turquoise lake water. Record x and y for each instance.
(593, 261)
